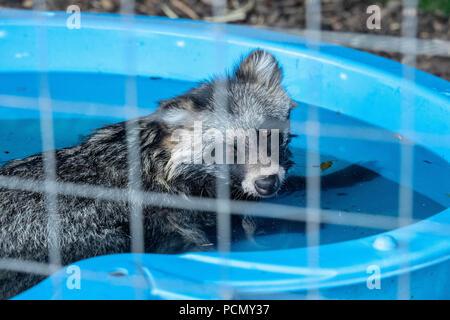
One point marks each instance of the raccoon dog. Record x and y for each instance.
(251, 97)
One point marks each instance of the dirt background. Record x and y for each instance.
(337, 15)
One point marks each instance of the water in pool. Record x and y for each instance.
(84, 102)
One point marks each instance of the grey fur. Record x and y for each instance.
(251, 97)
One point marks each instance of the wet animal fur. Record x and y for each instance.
(251, 98)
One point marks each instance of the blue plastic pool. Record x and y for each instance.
(356, 91)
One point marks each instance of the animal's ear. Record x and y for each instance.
(259, 66)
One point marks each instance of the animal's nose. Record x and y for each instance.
(267, 185)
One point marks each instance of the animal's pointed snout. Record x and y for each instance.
(267, 185)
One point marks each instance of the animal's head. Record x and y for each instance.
(236, 125)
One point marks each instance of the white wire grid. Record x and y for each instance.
(312, 214)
